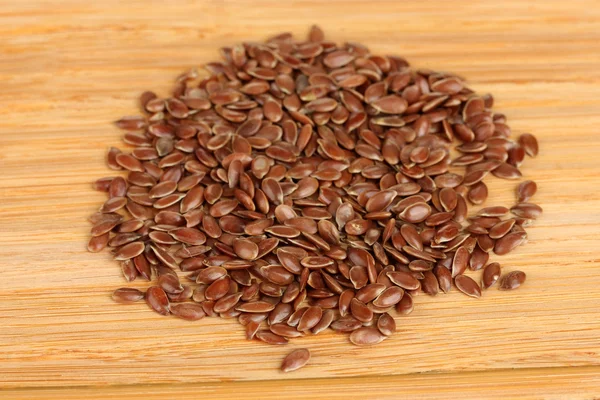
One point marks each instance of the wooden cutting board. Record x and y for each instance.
(69, 68)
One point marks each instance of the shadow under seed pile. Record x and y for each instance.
(304, 185)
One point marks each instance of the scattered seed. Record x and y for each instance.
(127, 295)
(526, 190)
(295, 360)
(529, 144)
(512, 280)
(491, 273)
(467, 285)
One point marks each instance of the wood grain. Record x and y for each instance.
(70, 68)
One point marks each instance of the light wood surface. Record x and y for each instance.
(69, 68)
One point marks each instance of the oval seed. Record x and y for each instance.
(366, 336)
(310, 318)
(512, 280)
(529, 143)
(525, 191)
(386, 324)
(490, 275)
(188, 311)
(527, 210)
(157, 299)
(467, 285)
(509, 242)
(245, 249)
(295, 360)
(270, 338)
(127, 295)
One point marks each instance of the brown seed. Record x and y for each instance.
(183, 296)
(386, 324)
(210, 274)
(429, 283)
(266, 246)
(478, 193)
(316, 262)
(223, 207)
(338, 59)
(357, 226)
(277, 275)
(131, 123)
(295, 360)
(527, 210)
(283, 231)
(389, 297)
(360, 311)
(97, 243)
(188, 311)
(501, 228)
(512, 280)
(245, 249)
(157, 299)
(366, 336)
(280, 313)
(478, 259)
(190, 236)
(490, 275)
(346, 324)
(412, 237)
(218, 288)
(529, 143)
(211, 227)
(358, 276)
(467, 285)
(509, 242)
(227, 302)
(496, 211)
(405, 306)
(170, 284)
(127, 295)
(460, 261)
(255, 307)
(415, 213)
(163, 189)
(390, 104)
(310, 318)
(105, 226)
(444, 278)
(507, 171)
(526, 190)
(344, 302)
(325, 322)
(381, 200)
(251, 328)
(142, 266)
(130, 250)
(270, 338)
(128, 162)
(404, 280)
(487, 244)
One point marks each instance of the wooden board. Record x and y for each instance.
(69, 68)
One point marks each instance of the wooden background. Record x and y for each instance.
(69, 68)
